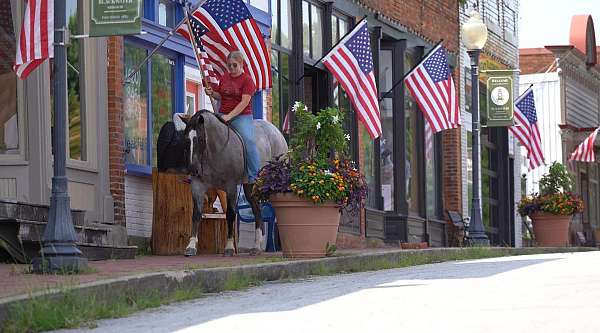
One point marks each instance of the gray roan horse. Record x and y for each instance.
(217, 160)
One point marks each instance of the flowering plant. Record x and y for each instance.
(555, 195)
(316, 166)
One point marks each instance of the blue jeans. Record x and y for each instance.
(245, 126)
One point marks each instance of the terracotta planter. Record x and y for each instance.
(550, 229)
(305, 228)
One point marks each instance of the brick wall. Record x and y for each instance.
(116, 156)
(535, 60)
(429, 19)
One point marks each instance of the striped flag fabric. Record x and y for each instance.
(431, 85)
(526, 128)
(36, 39)
(232, 27)
(585, 150)
(351, 63)
(198, 30)
(285, 128)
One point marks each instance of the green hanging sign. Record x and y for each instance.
(115, 17)
(500, 98)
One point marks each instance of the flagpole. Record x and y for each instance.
(410, 71)
(160, 44)
(333, 47)
(193, 41)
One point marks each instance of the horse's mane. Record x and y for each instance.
(203, 112)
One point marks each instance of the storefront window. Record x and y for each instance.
(387, 137)
(312, 30)
(366, 162)
(166, 13)
(339, 28)
(281, 86)
(281, 25)
(135, 106)
(430, 172)
(9, 120)
(593, 207)
(412, 172)
(162, 98)
(76, 115)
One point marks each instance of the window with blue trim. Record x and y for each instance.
(147, 104)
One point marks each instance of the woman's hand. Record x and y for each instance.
(226, 118)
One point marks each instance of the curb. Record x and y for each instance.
(212, 280)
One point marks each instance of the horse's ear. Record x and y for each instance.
(183, 118)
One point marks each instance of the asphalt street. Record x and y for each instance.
(538, 293)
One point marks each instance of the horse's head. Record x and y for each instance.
(196, 137)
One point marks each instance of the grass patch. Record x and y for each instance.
(239, 281)
(70, 310)
(268, 260)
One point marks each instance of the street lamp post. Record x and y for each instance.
(475, 35)
(59, 252)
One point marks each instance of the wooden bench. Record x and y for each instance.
(461, 225)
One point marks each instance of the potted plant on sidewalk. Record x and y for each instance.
(311, 183)
(553, 207)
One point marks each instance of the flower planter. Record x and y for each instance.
(306, 229)
(550, 229)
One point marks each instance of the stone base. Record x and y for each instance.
(59, 264)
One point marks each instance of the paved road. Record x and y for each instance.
(539, 293)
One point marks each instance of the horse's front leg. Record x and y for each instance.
(231, 204)
(198, 193)
(258, 222)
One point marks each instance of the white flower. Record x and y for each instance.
(296, 106)
(319, 125)
(347, 136)
(335, 119)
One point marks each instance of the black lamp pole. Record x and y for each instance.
(59, 252)
(477, 234)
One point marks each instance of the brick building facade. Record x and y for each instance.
(409, 191)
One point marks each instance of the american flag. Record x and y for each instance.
(36, 40)
(585, 150)
(526, 128)
(351, 63)
(232, 27)
(286, 123)
(198, 30)
(431, 85)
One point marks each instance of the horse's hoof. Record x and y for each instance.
(228, 253)
(190, 252)
(254, 252)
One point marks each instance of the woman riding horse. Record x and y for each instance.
(235, 91)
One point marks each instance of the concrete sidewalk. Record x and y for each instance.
(111, 279)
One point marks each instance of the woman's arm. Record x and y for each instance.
(238, 108)
(211, 93)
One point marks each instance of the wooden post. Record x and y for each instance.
(172, 217)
